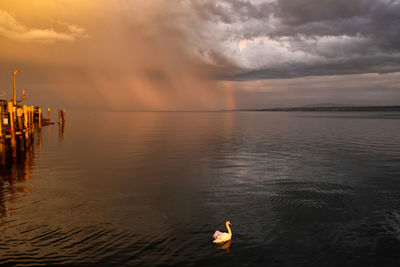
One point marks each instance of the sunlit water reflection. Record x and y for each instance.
(301, 189)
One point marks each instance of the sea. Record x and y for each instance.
(151, 188)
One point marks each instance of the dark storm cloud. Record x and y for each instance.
(377, 20)
(381, 65)
(342, 37)
(231, 11)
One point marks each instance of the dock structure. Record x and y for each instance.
(18, 123)
(18, 127)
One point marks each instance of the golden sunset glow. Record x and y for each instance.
(172, 55)
(104, 54)
(199, 132)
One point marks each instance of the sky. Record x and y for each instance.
(201, 54)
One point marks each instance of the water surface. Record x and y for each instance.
(301, 189)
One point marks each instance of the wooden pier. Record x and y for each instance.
(18, 123)
(17, 127)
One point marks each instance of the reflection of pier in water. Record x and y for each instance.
(17, 163)
(14, 173)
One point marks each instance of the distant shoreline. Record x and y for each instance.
(291, 109)
(322, 109)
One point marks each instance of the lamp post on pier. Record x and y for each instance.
(14, 89)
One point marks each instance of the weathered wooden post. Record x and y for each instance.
(32, 116)
(26, 125)
(11, 124)
(63, 116)
(11, 128)
(32, 136)
(28, 112)
(28, 115)
(20, 129)
(19, 119)
(40, 118)
(29, 118)
(48, 114)
(60, 125)
(25, 109)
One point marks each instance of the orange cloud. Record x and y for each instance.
(11, 28)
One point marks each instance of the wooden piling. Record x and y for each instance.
(19, 119)
(11, 128)
(25, 113)
(40, 118)
(59, 117)
(29, 118)
(31, 134)
(32, 116)
(28, 115)
(11, 124)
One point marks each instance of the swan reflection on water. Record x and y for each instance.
(224, 246)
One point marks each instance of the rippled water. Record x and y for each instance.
(301, 189)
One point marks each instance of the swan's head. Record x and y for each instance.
(228, 223)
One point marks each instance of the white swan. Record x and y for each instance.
(220, 237)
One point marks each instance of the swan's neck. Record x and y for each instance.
(229, 229)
